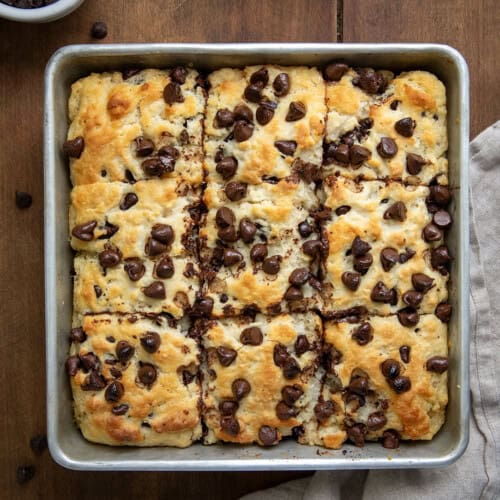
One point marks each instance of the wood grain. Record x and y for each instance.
(471, 26)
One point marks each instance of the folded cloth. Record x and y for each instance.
(477, 473)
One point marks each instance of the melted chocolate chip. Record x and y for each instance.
(376, 421)
(230, 425)
(260, 77)
(280, 355)
(291, 368)
(251, 336)
(291, 393)
(372, 82)
(156, 167)
(397, 211)
(228, 408)
(268, 436)
(228, 234)
(143, 146)
(179, 74)
(285, 412)
(358, 154)
(226, 355)
(243, 112)
(94, 382)
(408, 317)
(299, 276)
(72, 365)
(440, 195)
(313, 248)
(85, 231)
(119, 410)
(128, 201)
(252, 92)
(363, 334)
(78, 335)
(390, 439)
(163, 233)
(357, 434)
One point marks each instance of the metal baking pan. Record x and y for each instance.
(66, 443)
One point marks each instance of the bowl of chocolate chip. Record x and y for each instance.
(37, 11)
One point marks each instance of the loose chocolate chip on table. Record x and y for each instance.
(390, 368)
(134, 268)
(335, 71)
(376, 421)
(271, 265)
(247, 230)
(408, 317)
(400, 384)
(285, 412)
(371, 81)
(119, 410)
(224, 217)
(296, 111)
(90, 361)
(281, 84)
(226, 355)
(397, 211)
(151, 342)
(264, 114)
(363, 263)
(299, 276)
(442, 219)
(360, 247)
(313, 248)
(143, 146)
(358, 154)
(414, 163)
(421, 282)
(124, 351)
(109, 258)
(431, 233)
(301, 345)
(286, 147)
(351, 280)
(114, 392)
(128, 201)
(258, 252)
(78, 335)
(85, 231)
(387, 147)
(251, 336)
(381, 293)
(389, 257)
(356, 434)
(99, 30)
(147, 374)
(405, 127)
(155, 290)
(280, 355)
(404, 353)
(163, 233)
(363, 333)
(291, 393)
(179, 74)
(443, 312)
(437, 364)
(74, 147)
(243, 112)
(23, 199)
(72, 365)
(260, 77)
(240, 388)
(305, 229)
(226, 167)
(228, 234)
(412, 298)
(227, 408)
(252, 92)
(164, 268)
(268, 435)
(25, 473)
(38, 444)
(232, 257)
(235, 191)
(293, 293)
(94, 382)
(390, 439)
(172, 93)
(440, 195)
(224, 118)
(230, 425)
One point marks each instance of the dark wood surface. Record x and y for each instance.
(471, 26)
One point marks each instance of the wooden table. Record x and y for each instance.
(471, 26)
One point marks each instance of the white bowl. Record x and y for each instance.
(41, 14)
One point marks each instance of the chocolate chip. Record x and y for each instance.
(258, 252)
(286, 147)
(397, 211)
(72, 365)
(240, 388)
(227, 167)
(293, 293)
(271, 265)
(93, 382)
(359, 385)
(164, 268)
(226, 355)
(301, 345)
(78, 335)
(437, 364)
(252, 93)
(169, 151)
(390, 368)
(440, 257)
(228, 408)
(360, 247)
(114, 392)
(412, 298)
(408, 317)
(281, 84)
(163, 233)
(251, 336)
(230, 425)
(443, 312)
(440, 195)
(285, 412)
(305, 229)
(85, 231)
(119, 410)
(143, 146)
(291, 393)
(147, 374)
(268, 435)
(90, 361)
(224, 217)
(341, 153)
(260, 77)
(235, 191)
(404, 353)
(232, 257)
(154, 247)
(74, 147)
(389, 257)
(224, 118)
(280, 355)
(25, 473)
(351, 280)
(335, 71)
(394, 104)
(390, 439)
(172, 93)
(247, 230)
(442, 219)
(421, 282)
(313, 248)
(363, 334)
(358, 154)
(400, 384)
(151, 342)
(264, 114)
(202, 306)
(124, 351)
(405, 126)
(363, 263)
(296, 111)
(179, 74)
(128, 201)
(406, 255)
(109, 258)
(155, 290)
(376, 421)
(372, 82)
(134, 268)
(38, 444)
(414, 163)
(228, 234)
(431, 233)
(299, 276)
(23, 199)
(356, 434)
(156, 167)
(387, 147)
(243, 112)
(130, 72)
(99, 30)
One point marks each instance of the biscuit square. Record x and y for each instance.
(135, 381)
(260, 376)
(126, 122)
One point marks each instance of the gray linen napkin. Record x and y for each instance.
(477, 473)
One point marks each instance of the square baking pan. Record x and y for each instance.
(67, 445)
